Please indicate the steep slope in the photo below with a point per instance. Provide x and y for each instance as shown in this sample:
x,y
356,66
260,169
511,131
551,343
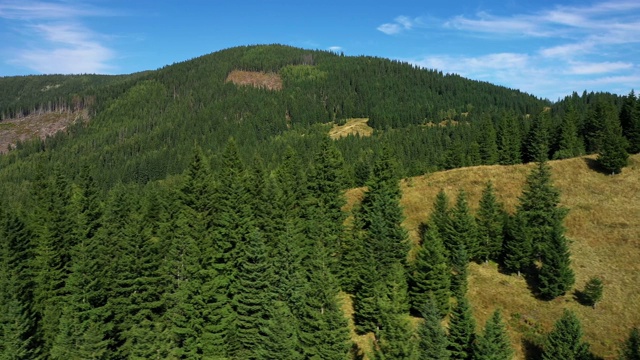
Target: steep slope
x,y
602,223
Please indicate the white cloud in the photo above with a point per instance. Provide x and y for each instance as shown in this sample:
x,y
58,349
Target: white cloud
x,y
580,68
54,39
400,24
335,48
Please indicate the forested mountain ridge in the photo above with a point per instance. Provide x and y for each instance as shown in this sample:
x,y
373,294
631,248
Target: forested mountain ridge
x,y
195,218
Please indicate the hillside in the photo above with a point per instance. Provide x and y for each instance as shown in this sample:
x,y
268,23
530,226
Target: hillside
x,y
602,223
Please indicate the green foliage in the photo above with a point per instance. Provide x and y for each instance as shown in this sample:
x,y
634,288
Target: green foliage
x,y
593,291
631,347
432,339
494,344
517,250
490,221
565,340
612,156
464,229
630,122
461,331
431,277
555,277
569,144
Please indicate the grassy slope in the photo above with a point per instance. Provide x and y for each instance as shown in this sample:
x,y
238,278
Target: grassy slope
x,y
603,222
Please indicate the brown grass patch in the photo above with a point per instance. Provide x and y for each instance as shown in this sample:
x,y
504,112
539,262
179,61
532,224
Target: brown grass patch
x,y
271,81
352,127
603,225
36,125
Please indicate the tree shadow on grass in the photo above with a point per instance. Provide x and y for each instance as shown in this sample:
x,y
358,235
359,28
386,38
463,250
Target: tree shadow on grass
x,y
532,351
595,166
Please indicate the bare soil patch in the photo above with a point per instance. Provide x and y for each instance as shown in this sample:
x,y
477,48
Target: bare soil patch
x,y
38,125
271,81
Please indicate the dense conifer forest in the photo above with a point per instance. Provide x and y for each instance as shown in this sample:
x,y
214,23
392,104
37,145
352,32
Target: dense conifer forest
x,y
193,218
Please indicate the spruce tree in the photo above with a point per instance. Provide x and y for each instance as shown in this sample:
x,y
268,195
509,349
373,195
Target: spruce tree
x,y
464,228
488,141
394,337
18,321
540,208
494,344
630,122
569,143
461,330
508,139
440,218
631,347
536,144
280,335
593,291
612,155
430,280
555,277
323,328
517,249
565,340
432,339
252,293
490,220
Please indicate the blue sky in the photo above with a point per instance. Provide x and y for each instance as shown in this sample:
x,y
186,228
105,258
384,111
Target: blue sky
x,y
546,48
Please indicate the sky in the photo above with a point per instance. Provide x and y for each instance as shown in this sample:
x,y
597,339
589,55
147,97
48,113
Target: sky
x,y
546,48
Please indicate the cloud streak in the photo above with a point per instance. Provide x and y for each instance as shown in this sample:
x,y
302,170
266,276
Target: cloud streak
x,y
53,37
400,24
553,51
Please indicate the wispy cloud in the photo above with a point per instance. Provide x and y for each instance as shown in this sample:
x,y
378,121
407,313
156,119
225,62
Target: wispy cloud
x,y
335,48
554,51
52,37
400,24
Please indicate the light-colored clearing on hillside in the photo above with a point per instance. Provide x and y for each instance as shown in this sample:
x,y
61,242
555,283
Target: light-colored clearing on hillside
x,y
351,127
603,224
35,125
271,81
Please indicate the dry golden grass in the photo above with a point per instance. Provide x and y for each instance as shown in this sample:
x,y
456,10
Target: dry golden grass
x,y
271,81
603,224
352,127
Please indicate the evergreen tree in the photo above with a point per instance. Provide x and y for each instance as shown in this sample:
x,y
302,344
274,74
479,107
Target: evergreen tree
x,y
596,123
440,218
631,347
536,145
430,280
488,145
494,344
280,336
539,207
508,139
54,221
461,331
612,155
84,328
394,337
555,277
565,340
323,326
569,144
252,293
432,339
593,291
459,270
630,122
464,228
517,251
490,220
18,321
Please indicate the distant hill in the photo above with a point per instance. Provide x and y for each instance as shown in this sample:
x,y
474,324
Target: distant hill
x,y
602,225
